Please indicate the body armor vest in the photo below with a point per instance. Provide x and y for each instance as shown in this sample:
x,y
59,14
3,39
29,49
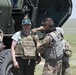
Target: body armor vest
x,y
27,47
55,51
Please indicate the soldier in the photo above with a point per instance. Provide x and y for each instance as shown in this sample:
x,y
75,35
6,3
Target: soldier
x,y
24,46
51,46
2,46
67,54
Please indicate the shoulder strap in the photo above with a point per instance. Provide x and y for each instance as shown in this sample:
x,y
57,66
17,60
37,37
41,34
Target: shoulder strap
x,y
22,34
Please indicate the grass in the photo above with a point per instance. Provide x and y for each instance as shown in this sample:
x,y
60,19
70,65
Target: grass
x,y
39,70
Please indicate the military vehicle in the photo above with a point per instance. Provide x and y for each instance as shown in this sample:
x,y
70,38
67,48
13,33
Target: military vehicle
x,y
12,13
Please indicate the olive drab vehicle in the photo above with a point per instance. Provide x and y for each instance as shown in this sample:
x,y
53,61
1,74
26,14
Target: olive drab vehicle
x,y
12,13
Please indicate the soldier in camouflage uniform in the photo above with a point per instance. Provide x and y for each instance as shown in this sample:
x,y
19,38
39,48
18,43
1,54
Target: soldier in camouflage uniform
x,y
51,46
1,39
67,54
24,47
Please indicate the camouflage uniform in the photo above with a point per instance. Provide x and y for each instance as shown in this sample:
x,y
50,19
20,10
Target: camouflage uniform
x,y
67,54
1,39
53,61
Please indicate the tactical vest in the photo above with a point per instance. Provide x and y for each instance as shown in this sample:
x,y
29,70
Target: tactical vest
x,y
55,51
27,47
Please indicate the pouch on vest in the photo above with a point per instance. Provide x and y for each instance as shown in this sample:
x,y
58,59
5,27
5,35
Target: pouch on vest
x,y
29,46
19,50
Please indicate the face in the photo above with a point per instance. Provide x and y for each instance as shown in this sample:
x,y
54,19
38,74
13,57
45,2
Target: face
x,y
26,28
46,27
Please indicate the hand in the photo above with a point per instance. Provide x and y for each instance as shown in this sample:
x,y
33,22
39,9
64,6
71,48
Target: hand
x,y
36,38
2,46
41,28
68,53
33,31
15,64
38,60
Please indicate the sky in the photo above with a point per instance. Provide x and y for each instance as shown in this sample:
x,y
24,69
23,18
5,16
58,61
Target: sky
x,y
73,15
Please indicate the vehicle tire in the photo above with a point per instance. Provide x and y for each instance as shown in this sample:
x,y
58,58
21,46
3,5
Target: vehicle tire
x,y
6,62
